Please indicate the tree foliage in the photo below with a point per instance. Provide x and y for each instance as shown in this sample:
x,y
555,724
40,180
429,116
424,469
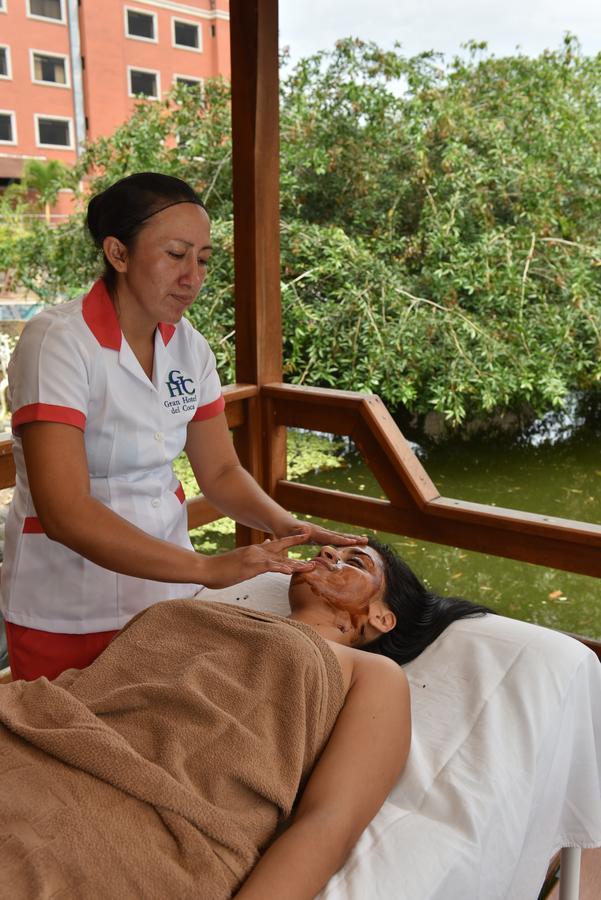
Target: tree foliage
x,y
39,185
477,185
439,223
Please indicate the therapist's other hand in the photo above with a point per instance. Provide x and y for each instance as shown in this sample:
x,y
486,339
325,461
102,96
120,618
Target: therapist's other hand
x,y
246,562
315,534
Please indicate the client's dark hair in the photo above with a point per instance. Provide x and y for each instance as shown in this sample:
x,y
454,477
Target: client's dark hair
x,y
421,615
123,208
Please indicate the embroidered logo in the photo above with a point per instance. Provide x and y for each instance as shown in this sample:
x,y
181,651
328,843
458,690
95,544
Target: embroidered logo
x,y
182,392
178,385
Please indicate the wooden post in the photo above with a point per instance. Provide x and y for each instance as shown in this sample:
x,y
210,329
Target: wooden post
x,y
255,135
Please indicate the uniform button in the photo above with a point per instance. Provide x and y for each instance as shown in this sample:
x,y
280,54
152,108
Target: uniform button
x,y
156,502
159,436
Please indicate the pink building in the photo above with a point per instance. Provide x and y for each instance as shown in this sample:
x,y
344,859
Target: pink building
x,y
69,70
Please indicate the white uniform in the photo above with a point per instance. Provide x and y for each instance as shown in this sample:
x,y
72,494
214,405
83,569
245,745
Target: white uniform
x,y
73,365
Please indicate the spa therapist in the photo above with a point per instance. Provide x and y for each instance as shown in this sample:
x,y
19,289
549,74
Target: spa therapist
x,y
105,393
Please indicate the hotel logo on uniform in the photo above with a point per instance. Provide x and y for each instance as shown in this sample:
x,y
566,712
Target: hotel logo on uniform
x,y
182,392
178,385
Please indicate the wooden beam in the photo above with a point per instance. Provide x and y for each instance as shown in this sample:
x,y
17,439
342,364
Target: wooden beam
x,y
201,512
401,459
375,456
546,544
233,392
295,414
535,524
366,420
275,450
236,398
340,506
8,473
415,507
235,413
255,163
312,397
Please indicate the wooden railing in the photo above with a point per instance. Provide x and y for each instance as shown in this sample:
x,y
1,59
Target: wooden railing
x,y
413,507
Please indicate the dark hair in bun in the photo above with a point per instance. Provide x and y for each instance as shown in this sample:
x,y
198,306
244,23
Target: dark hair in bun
x,y
421,615
123,208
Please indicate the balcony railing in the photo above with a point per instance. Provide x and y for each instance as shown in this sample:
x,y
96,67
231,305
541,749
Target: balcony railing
x,y
413,508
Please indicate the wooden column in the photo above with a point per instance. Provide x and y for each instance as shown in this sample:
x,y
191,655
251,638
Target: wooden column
x,y
255,134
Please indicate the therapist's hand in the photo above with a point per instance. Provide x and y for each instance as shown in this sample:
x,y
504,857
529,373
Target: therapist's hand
x,y
245,562
315,534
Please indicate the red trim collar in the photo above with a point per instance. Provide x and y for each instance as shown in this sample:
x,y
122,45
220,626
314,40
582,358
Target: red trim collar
x,y
101,318
166,332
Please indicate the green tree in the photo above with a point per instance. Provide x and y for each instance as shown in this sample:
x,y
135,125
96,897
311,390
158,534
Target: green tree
x,y
45,179
478,184
439,223
187,135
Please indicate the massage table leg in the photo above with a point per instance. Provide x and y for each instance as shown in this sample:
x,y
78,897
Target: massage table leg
x,y
569,873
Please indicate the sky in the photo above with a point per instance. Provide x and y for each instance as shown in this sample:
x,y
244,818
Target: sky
x,y
443,25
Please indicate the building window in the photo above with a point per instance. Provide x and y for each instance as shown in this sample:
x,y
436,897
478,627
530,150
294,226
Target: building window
x,y
140,25
53,131
8,132
189,80
186,35
46,9
2,5
145,82
5,71
49,69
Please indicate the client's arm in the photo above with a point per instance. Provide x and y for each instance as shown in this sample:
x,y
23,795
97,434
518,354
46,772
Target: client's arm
x,y
364,757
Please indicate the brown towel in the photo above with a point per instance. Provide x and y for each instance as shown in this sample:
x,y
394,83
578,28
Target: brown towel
x,y
165,767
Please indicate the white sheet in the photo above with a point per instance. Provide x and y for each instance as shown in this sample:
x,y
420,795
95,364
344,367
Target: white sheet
x,y
504,769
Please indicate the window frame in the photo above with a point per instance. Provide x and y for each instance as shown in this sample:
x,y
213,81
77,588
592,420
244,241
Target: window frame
x,y
137,37
197,79
9,65
155,72
38,18
13,126
59,84
52,117
197,25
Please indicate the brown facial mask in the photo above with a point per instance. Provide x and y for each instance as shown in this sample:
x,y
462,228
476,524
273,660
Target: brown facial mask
x,y
348,582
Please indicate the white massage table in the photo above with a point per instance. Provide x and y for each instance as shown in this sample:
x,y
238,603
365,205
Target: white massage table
x,y
504,769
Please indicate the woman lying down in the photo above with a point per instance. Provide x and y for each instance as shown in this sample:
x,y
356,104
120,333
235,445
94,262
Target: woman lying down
x,y
213,751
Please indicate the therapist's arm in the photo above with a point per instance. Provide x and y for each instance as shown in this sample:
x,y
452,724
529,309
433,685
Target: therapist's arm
x,y
226,484
229,487
59,481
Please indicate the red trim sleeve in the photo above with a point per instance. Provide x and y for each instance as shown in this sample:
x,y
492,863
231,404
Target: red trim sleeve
x,y
209,410
48,412
179,493
32,525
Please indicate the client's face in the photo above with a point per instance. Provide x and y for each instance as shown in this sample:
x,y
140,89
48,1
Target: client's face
x,y
349,580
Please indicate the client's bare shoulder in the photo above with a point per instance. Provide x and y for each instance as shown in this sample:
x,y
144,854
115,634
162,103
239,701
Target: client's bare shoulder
x,y
376,718
368,668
